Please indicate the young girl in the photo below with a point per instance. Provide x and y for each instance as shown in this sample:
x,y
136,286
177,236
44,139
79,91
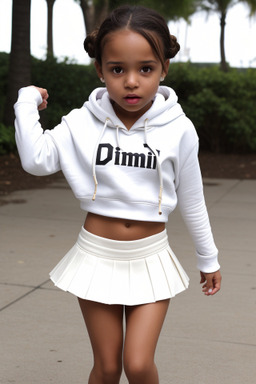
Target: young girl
x,y
129,155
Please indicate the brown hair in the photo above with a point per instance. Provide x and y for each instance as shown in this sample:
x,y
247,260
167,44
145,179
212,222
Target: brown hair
x,y
144,21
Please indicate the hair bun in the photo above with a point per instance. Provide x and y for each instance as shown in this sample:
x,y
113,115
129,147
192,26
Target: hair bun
x,y
175,47
90,43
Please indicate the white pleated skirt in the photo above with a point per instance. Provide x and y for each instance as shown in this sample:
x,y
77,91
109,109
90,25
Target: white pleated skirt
x,y
121,272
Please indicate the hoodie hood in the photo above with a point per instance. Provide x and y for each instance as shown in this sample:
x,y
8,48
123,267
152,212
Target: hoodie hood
x,y
165,108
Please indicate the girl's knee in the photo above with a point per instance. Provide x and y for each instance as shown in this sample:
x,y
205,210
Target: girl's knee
x,y
108,373
137,368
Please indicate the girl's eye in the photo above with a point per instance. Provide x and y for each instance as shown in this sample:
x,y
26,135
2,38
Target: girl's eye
x,y
117,70
146,69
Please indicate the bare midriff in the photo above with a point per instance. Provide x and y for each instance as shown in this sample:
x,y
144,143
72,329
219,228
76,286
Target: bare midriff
x,y
121,229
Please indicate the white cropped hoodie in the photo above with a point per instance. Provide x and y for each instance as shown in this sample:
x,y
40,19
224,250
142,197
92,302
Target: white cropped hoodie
x,y
138,174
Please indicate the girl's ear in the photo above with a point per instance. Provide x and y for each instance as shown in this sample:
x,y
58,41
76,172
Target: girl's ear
x,y
166,68
98,69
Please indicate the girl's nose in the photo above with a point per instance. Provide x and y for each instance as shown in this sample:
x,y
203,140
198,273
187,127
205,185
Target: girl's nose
x,y
131,80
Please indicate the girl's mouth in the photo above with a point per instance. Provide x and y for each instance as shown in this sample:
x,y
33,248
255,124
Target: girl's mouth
x,y
132,99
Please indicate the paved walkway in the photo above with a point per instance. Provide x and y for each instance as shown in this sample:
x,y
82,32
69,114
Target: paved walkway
x,y
205,340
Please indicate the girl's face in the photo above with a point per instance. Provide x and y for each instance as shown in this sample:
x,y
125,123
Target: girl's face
x,y
131,72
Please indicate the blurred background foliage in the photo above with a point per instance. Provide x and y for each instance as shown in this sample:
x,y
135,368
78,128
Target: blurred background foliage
x,y
220,104
218,99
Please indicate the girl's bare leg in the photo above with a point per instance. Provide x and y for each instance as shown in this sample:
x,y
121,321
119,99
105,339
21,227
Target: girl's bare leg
x,y
143,326
105,328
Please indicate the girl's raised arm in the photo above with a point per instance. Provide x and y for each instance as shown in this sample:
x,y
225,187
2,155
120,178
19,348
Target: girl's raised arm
x,y
38,153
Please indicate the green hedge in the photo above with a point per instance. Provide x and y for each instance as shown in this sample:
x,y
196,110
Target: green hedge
x,y
68,85
221,105
7,140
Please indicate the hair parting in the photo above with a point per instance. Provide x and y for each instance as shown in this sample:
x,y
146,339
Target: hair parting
x,y
142,20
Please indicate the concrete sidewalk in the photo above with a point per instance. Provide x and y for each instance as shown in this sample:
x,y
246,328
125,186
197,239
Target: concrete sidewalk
x,y
205,340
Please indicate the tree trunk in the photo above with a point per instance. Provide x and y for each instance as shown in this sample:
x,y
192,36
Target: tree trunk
x,y
102,11
50,4
19,65
94,14
223,63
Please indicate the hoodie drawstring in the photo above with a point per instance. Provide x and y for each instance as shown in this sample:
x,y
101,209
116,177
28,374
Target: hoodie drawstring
x,y
94,158
117,136
161,187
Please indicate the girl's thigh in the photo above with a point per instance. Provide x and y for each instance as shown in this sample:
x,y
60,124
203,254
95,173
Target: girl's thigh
x,y
105,328
143,327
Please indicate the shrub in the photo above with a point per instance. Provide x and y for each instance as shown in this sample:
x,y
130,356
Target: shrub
x,y
7,139
221,105
68,85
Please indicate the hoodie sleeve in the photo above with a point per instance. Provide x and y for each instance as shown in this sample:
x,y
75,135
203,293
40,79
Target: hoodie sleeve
x,y
38,153
193,209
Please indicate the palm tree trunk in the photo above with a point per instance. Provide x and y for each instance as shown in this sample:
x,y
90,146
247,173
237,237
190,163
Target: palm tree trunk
x,y
223,63
93,14
50,4
88,11
19,64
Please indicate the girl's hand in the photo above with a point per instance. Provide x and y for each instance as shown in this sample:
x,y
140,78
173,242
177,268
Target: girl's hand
x,y
44,95
212,282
